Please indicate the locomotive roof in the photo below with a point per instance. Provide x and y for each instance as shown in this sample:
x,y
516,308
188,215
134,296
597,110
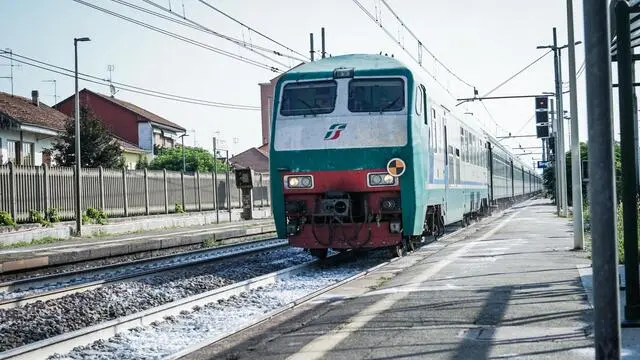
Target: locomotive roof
x,y
370,62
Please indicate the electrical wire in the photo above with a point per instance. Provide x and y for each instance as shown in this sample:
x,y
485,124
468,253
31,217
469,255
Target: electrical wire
x,y
250,28
176,18
421,44
182,38
516,74
375,20
125,87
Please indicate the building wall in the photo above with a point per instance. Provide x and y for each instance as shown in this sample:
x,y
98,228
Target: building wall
x,y
266,106
40,142
131,159
121,122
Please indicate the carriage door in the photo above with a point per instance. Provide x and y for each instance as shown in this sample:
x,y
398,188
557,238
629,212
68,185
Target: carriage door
x,y
447,162
490,170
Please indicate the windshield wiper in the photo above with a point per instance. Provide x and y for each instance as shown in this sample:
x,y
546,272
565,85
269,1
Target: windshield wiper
x,y
308,106
390,105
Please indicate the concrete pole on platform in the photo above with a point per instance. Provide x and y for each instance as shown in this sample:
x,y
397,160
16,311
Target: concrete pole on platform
x,y
602,185
576,163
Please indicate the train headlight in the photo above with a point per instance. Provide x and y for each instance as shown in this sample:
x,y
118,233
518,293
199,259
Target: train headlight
x,y
381,179
298,182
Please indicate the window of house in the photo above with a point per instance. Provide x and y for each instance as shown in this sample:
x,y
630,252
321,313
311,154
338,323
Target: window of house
x,y
12,150
27,154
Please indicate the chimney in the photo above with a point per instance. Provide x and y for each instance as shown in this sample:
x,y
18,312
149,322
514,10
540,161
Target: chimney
x,y
34,98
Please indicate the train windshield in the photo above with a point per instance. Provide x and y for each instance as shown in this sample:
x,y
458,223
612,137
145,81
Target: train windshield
x,y
376,95
308,98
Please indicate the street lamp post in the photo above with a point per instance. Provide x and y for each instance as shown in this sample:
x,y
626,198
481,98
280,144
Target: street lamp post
x,y
183,155
78,163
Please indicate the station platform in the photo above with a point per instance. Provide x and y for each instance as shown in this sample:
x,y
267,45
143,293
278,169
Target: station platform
x,y
92,248
508,287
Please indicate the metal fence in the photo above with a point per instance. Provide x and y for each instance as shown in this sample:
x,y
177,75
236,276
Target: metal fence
x,y
121,192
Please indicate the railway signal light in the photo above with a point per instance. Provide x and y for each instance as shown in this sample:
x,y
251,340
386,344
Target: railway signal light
x,y
542,116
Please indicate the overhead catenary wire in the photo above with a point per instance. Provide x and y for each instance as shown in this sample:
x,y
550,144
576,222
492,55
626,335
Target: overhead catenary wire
x,y
421,44
176,18
182,38
250,28
125,87
375,20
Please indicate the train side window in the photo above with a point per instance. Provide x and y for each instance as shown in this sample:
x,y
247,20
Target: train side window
x,y
419,103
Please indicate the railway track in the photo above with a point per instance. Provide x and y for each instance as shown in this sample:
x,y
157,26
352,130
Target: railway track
x,y
21,292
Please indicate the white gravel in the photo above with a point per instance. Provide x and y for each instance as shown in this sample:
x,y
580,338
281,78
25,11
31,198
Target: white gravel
x,y
215,319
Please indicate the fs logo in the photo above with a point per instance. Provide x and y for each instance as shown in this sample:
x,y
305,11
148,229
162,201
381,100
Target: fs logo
x,y
334,131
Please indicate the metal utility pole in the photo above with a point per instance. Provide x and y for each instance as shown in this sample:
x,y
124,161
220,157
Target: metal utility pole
x,y
556,166
628,150
323,49
78,158
184,162
576,161
561,156
215,180
311,51
11,65
602,187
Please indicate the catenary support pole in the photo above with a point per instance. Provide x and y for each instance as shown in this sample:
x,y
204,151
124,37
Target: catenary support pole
x,y
560,156
602,186
628,153
576,171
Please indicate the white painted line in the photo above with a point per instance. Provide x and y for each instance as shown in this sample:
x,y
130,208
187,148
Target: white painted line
x,y
321,345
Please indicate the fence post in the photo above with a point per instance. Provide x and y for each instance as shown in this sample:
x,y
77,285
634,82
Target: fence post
x,y
101,185
46,192
228,192
198,190
261,192
166,192
146,192
124,191
13,200
184,205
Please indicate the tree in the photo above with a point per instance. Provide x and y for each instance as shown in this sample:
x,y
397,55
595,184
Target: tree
x,y
97,145
196,159
549,173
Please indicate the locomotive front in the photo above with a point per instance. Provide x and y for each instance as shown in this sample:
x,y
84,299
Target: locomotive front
x,y
340,148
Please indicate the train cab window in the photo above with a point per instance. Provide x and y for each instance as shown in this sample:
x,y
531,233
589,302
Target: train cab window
x,y
376,95
419,103
308,98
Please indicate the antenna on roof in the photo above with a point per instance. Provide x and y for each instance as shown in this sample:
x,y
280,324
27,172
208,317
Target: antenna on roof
x,y
112,89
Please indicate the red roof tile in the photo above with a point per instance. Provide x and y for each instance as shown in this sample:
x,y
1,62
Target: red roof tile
x,y
24,111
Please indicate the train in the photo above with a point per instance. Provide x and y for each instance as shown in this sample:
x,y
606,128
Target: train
x,y
366,152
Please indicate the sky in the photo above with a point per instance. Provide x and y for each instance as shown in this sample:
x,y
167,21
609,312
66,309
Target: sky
x,y
482,42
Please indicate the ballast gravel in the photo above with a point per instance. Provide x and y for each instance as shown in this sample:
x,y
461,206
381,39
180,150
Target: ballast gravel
x,y
176,333
42,320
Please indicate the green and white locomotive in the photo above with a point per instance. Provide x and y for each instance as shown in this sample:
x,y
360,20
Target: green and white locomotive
x,y
366,153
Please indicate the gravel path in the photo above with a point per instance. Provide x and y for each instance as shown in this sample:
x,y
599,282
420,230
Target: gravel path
x,y
42,320
178,332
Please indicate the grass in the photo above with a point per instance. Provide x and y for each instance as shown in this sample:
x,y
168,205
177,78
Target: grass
x,y
40,241
619,232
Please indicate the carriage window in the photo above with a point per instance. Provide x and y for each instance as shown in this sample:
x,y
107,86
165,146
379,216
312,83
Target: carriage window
x,y
308,98
419,105
376,95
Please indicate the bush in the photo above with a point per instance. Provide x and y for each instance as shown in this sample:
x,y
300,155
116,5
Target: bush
x,y
6,219
53,215
94,216
36,216
620,232
179,208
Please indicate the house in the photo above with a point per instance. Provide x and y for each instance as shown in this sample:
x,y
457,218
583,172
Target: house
x,y
256,158
266,104
27,129
131,153
127,121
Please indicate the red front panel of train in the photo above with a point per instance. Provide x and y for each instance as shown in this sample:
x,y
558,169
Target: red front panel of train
x,y
342,209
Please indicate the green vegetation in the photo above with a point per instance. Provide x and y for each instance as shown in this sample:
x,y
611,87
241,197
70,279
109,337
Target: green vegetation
x,y
179,209
6,219
196,159
98,147
94,216
40,241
